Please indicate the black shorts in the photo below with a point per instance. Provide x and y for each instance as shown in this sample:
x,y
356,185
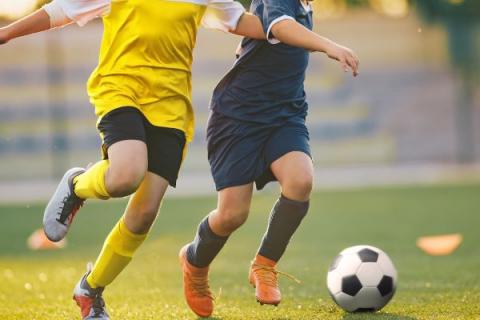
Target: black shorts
x,y
165,146
242,152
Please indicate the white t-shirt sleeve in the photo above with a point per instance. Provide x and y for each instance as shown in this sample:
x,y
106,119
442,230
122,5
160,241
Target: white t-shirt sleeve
x,y
62,12
270,37
223,15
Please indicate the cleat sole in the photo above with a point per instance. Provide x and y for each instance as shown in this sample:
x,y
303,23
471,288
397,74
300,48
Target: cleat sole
x,y
265,303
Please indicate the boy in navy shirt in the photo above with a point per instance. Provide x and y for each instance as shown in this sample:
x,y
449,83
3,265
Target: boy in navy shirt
x,y
257,134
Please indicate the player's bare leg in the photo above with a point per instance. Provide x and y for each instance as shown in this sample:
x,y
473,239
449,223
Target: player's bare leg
x,y
127,167
294,171
118,176
232,211
118,250
144,205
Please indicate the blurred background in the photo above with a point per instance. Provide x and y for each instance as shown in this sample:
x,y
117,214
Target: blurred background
x,y
412,116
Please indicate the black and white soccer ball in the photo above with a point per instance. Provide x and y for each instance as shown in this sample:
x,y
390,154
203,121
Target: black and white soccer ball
x,y
362,278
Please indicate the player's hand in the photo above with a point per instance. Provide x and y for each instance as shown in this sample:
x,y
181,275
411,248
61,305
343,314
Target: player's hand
x,y
347,58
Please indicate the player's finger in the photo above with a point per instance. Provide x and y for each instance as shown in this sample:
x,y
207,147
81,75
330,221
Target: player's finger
x,y
350,65
353,65
357,63
357,60
356,57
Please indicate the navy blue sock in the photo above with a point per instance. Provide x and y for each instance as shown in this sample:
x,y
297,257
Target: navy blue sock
x,y
285,218
205,246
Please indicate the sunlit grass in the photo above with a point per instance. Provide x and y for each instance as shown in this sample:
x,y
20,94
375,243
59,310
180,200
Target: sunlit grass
x,y
38,285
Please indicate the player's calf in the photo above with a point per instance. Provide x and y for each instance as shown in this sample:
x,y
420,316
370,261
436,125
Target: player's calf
x,y
284,221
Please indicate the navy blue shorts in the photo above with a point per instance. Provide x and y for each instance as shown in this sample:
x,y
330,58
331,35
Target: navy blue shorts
x,y
242,152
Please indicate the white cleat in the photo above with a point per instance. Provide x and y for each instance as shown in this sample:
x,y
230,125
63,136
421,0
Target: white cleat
x,y
62,207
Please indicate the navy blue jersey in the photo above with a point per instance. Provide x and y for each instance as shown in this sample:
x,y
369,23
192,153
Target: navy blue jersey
x,y
265,84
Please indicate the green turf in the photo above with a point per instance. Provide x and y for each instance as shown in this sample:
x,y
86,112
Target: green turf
x,y
38,285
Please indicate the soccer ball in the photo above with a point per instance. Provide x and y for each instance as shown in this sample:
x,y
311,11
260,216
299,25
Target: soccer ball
x,y
362,278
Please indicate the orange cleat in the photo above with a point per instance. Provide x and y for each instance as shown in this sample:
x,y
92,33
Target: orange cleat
x,y
263,277
195,286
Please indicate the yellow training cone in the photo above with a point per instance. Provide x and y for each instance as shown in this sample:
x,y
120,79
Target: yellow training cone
x,y
441,245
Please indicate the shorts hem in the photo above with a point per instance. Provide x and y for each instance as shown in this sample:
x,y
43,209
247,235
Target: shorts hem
x,y
284,152
267,176
171,182
226,185
107,145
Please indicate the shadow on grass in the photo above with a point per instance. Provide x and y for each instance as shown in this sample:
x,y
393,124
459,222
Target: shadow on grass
x,y
376,316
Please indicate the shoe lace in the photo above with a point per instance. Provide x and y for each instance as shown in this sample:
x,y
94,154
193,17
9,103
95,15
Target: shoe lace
x,y
71,205
98,305
269,275
199,284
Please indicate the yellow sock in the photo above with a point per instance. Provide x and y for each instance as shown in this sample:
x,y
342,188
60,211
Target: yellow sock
x,y
91,184
117,252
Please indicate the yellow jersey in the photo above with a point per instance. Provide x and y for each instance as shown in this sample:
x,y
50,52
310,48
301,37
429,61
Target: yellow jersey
x,y
146,53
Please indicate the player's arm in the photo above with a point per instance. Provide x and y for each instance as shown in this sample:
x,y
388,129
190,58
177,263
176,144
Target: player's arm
x,y
230,16
33,23
57,13
249,26
290,32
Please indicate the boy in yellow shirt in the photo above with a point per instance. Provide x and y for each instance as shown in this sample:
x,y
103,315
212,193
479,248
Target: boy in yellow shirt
x,y
141,90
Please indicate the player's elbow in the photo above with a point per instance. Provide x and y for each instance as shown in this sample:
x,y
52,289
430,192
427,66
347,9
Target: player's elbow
x,y
280,29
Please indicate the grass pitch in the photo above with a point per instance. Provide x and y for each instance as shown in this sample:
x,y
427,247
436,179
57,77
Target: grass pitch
x,y
38,285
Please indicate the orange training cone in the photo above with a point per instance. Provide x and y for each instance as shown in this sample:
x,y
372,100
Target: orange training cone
x,y
441,245
39,241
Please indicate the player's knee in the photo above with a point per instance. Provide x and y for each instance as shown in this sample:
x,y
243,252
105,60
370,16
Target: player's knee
x,y
123,188
299,187
233,218
124,183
